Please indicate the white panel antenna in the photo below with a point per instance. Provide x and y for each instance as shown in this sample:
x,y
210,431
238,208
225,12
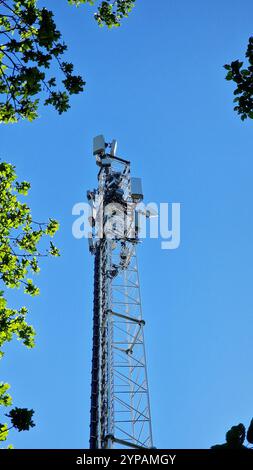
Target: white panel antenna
x,y
114,146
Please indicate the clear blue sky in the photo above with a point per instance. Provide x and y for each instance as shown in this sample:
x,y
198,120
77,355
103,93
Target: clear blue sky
x,y
157,85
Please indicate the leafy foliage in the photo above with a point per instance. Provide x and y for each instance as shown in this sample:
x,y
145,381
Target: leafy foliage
x,y
30,42
20,237
21,418
109,13
4,431
13,322
29,45
5,398
243,77
235,437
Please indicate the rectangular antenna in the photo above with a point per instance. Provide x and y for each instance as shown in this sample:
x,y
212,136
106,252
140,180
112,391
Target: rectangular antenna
x,y
98,145
136,189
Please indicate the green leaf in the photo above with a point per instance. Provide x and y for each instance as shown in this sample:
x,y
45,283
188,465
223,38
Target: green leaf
x,y
3,432
5,398
229,75
31,289
52,227
53,250
23,187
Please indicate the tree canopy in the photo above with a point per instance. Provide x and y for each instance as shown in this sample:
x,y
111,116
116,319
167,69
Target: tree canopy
x,y
30,48
30,42
21,247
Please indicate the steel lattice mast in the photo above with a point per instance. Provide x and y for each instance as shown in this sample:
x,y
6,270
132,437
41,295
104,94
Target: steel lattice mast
x,y
120,409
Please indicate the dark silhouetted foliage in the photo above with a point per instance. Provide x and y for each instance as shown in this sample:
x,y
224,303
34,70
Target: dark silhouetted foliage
x,y
243,77
235,437
250,433
21,418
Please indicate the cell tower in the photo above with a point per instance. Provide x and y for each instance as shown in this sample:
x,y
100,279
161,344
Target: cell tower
x,y
120,408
